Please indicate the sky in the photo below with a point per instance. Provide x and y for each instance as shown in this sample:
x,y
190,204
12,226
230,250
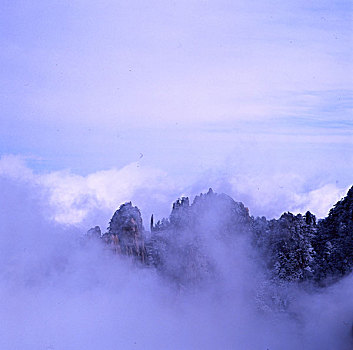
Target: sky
x,y
110,101
104,102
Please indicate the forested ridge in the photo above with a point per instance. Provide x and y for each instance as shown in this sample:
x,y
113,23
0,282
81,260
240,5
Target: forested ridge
x,y
186,246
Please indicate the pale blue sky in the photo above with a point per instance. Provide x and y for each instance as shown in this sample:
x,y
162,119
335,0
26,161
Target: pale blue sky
x,y
228,88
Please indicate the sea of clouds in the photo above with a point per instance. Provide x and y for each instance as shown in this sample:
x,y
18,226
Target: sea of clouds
x,y
61,291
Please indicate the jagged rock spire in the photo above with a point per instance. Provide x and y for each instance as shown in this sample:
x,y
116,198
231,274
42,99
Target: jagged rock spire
x,y
126,231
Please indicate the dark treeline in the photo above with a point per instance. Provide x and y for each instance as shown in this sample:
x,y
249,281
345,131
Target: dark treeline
x,y
187,246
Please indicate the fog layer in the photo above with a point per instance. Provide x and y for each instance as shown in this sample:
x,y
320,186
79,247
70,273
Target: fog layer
x,y
60,291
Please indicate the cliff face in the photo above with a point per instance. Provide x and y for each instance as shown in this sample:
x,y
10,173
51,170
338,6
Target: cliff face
x,y
126,233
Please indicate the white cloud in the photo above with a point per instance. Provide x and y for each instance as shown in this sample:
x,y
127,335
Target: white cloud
x,y
73,197
273,194
15,167
320,200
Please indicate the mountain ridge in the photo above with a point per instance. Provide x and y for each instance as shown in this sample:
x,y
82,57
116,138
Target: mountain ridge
x,y
292,248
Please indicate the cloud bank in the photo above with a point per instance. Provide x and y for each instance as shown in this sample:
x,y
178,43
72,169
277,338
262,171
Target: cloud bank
x,y
78,199
62,292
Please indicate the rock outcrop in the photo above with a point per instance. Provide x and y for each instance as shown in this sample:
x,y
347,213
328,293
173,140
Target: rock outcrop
x,y
126,233
94,232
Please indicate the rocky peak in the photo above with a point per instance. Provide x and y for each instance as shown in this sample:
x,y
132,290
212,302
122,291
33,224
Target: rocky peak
x,y
181,203
126,232
310,218
94,232
221,212
179,217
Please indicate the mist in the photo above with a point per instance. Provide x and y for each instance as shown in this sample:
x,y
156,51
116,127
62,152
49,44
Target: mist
x,y
60,290
107,102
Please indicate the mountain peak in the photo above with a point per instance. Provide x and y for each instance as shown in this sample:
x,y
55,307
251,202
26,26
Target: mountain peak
x,y
126,232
